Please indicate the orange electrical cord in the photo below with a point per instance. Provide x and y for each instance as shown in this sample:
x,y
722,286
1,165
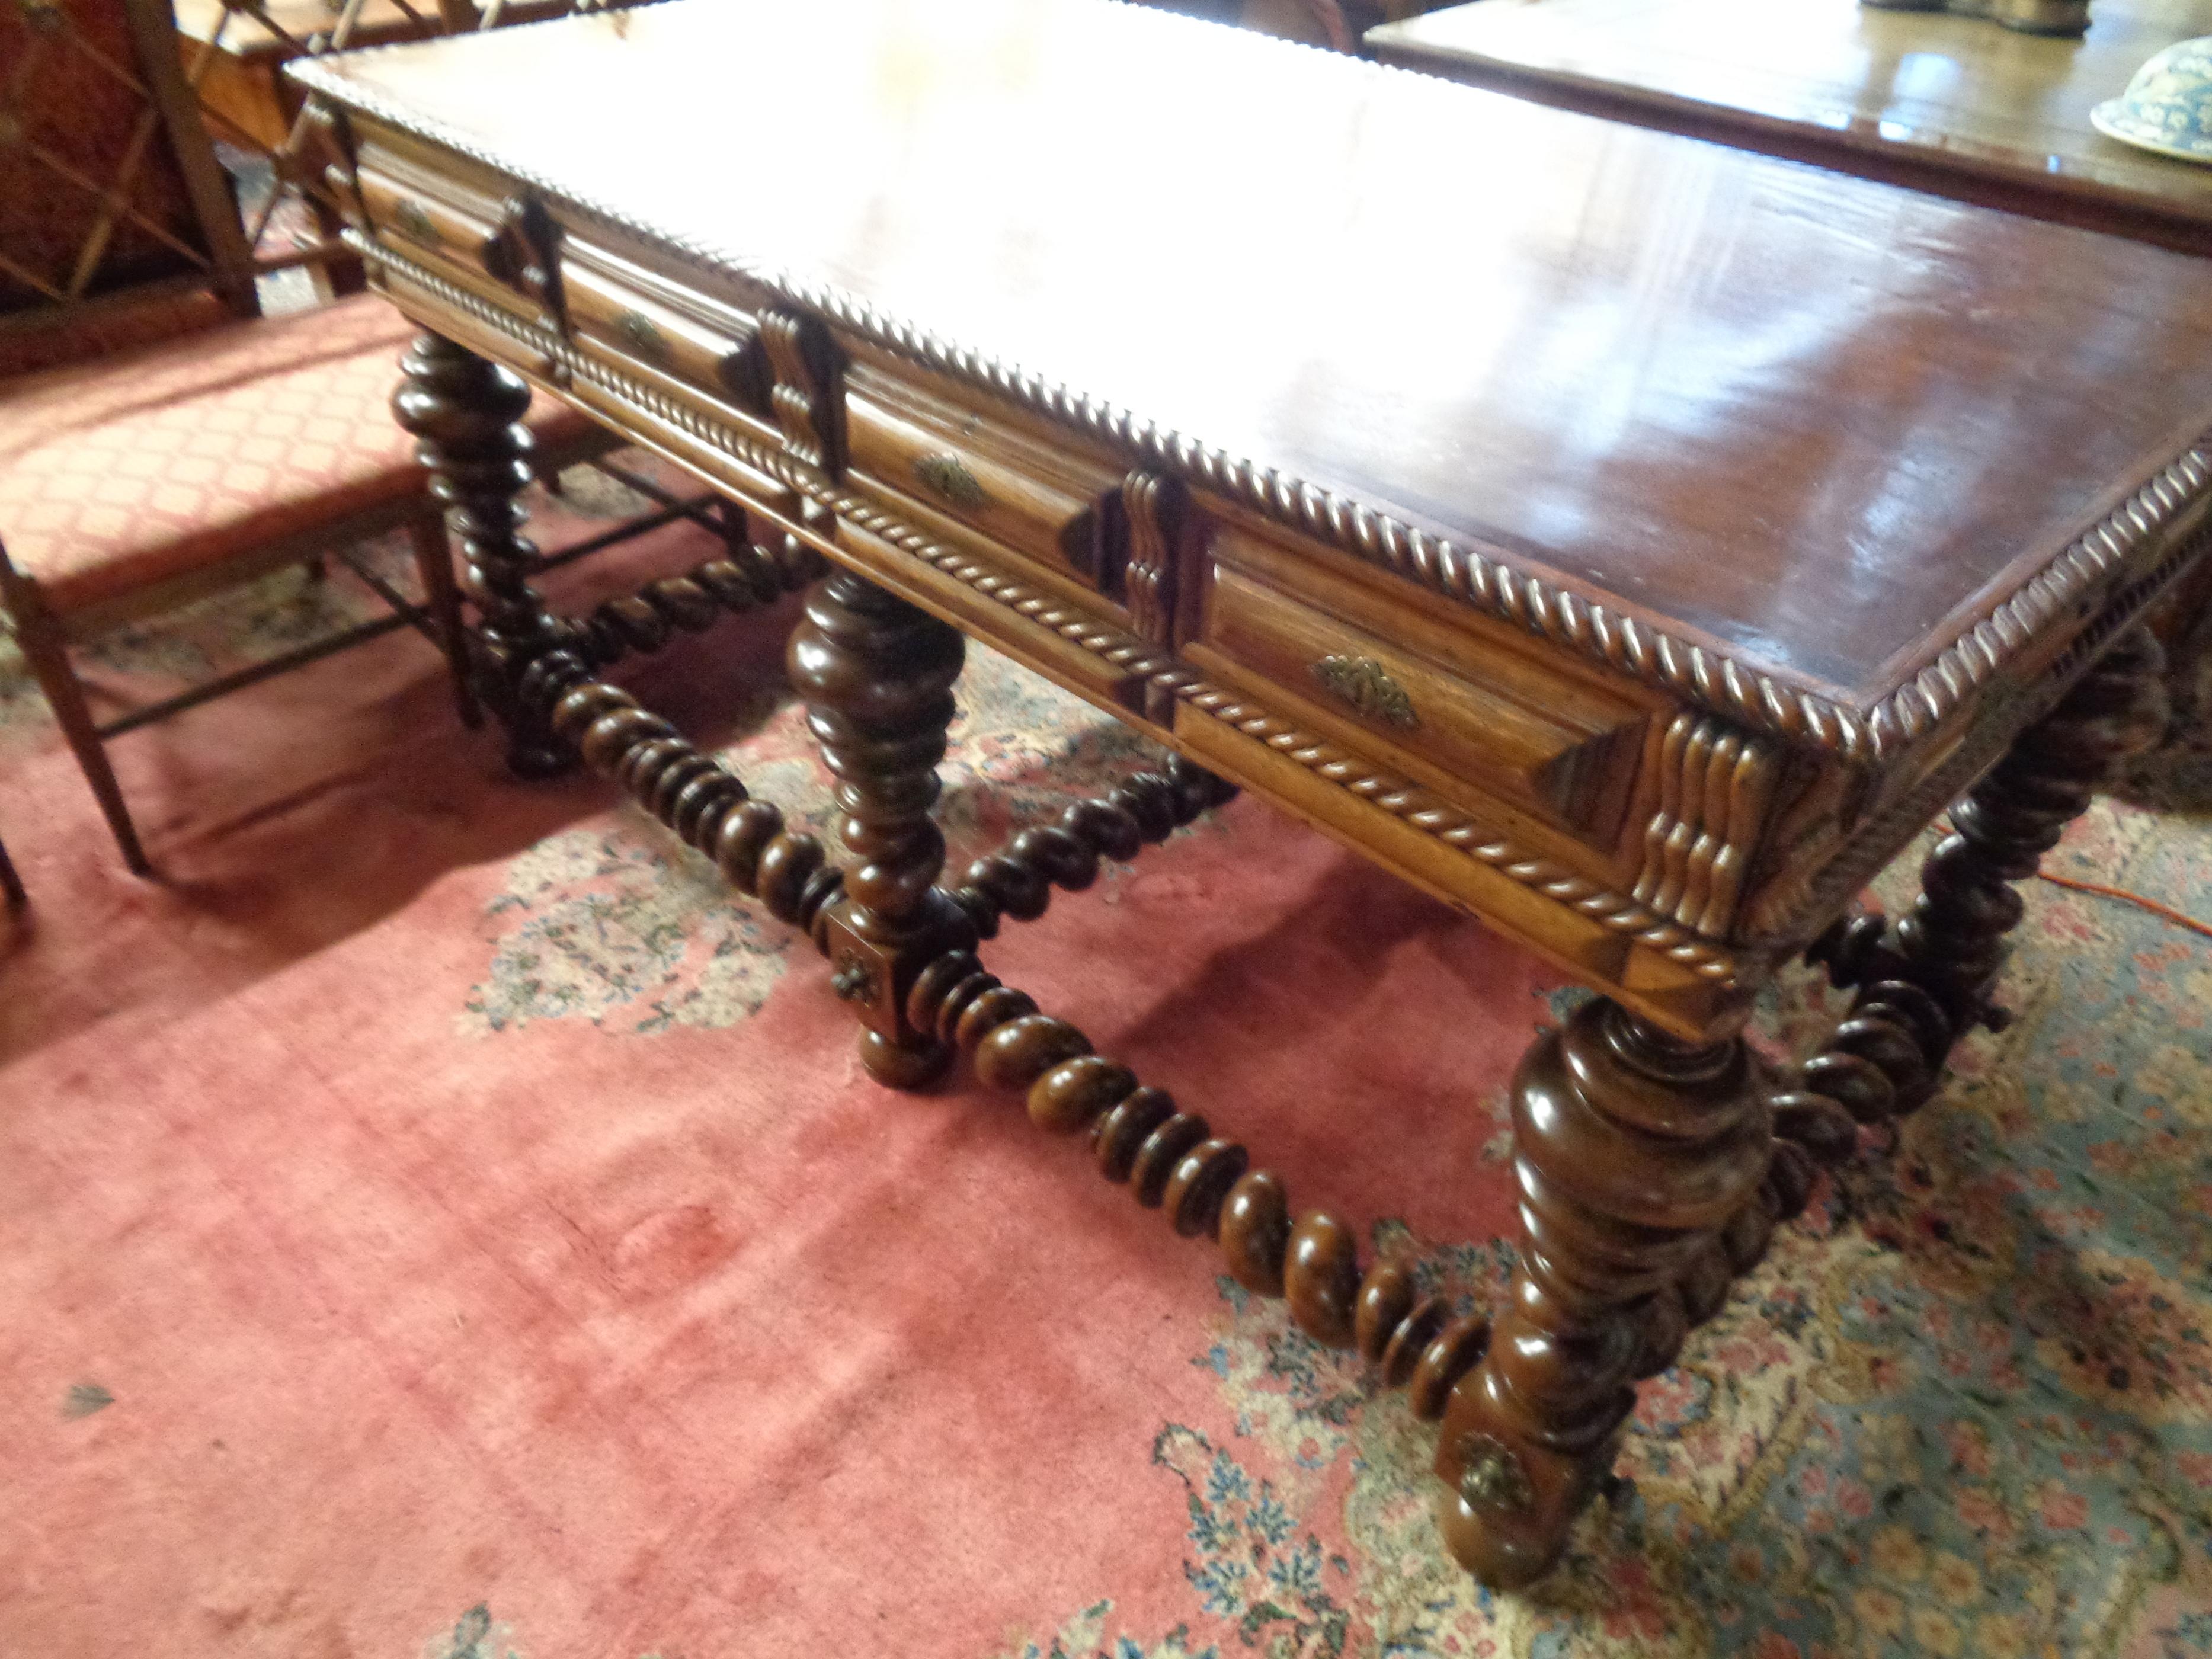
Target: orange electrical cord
x,y
2177,918
2166,911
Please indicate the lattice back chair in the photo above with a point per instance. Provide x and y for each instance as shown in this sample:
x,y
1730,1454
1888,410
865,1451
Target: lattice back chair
x,y
113,233
165,438
235,52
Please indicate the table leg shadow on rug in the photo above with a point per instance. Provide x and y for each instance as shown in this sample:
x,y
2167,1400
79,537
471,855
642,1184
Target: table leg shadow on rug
x,y
437,1224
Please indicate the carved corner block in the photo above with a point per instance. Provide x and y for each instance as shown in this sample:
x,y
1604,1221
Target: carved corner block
x,y
1153,508
808,391
875,979
523,252
1716,784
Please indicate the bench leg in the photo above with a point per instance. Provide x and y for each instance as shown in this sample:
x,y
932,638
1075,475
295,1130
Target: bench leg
x,y
442,598
466,416
48,651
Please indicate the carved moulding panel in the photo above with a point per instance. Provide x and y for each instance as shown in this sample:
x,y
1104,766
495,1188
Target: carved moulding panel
x,y
807,393
1640,925
1153,508
1716,784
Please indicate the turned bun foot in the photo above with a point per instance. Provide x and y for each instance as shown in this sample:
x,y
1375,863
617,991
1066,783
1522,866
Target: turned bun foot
x,y
1514,1527
897,1067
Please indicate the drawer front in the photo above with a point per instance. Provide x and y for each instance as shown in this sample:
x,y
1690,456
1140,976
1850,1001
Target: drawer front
x,y
402,211
1047,506
447,227
1413,695
634,318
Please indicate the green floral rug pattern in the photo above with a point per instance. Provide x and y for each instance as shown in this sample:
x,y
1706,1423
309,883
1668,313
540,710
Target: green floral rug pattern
x,y
1964,1408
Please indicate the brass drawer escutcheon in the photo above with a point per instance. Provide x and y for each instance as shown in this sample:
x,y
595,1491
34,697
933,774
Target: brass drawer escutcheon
x,y
450,228
413,219
996,483
948,475
1367,686
641,332
1462,712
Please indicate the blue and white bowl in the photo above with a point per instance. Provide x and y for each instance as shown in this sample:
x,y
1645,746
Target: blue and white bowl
x,y
2167,106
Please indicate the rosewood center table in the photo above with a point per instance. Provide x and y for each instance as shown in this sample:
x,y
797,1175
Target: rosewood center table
x,y
1679,533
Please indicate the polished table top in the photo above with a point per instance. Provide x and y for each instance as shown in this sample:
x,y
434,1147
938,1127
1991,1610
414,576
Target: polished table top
x,y
1822,423
1897,93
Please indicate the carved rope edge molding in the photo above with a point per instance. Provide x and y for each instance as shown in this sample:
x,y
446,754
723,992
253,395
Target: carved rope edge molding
x,y
1395,795
1483,579
1352,772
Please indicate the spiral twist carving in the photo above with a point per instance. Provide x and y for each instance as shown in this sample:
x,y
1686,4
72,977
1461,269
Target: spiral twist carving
x,y
1953,939
1952,942
741,581
1018,880
1922,984
466,416
1171,1160
693,794
1884,1061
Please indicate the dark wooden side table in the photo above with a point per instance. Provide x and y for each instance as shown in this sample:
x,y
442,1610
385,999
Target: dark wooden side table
x,y
1955,106
1684,534
1951,105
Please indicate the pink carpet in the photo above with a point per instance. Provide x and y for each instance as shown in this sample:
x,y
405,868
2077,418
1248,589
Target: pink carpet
x,y
433,1222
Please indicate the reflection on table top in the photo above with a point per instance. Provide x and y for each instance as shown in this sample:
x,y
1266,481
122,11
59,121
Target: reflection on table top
x,y
1904,94
1815,419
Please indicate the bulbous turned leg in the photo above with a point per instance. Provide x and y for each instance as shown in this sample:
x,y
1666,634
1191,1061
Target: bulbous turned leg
x,y
1632,1151
878,675
466,416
